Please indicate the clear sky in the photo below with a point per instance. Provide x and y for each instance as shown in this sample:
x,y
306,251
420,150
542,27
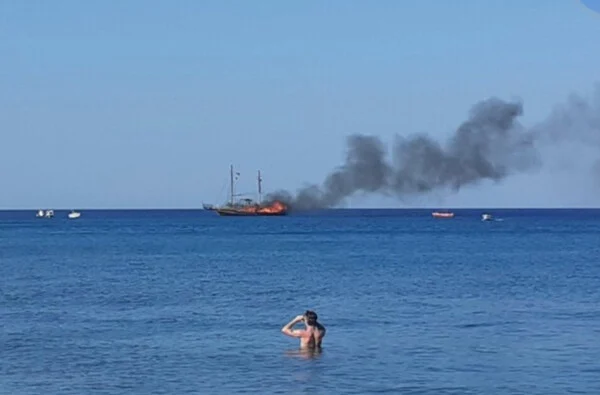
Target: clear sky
x,y
122,104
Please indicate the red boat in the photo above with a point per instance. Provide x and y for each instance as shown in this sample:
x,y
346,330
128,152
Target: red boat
x,y
437,214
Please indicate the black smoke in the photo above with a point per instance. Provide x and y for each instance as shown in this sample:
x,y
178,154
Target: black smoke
x,y
490,145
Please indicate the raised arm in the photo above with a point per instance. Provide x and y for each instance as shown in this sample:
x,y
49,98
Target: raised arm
x,y
287,329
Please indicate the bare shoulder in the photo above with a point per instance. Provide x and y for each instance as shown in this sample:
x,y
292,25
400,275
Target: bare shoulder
x,y
321,329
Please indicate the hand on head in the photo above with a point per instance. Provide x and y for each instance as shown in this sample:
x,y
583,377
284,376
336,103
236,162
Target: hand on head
x,y
310,317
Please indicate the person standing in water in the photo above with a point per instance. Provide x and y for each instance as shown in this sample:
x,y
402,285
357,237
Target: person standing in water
x,y
311,336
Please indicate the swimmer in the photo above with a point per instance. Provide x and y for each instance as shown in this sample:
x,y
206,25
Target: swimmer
x,y
311,336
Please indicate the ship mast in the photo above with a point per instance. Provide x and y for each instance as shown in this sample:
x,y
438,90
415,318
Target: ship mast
x,y
231,182
259,188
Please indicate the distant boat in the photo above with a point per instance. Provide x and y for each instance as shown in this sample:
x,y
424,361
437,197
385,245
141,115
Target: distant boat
x,y
247,207
74,214
437,214
45,214
487,217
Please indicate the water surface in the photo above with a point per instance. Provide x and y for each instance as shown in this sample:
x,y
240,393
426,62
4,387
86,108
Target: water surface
x,y
185,302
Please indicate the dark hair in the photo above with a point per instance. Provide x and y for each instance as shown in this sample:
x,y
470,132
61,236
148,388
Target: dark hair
x,y
311,317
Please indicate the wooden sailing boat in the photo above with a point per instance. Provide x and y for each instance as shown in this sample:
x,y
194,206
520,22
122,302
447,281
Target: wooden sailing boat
x,y
248,207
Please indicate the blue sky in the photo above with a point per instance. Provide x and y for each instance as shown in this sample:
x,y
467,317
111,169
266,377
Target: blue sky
x,y
146,103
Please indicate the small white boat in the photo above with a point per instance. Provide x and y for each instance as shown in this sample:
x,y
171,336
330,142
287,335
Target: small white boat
x,y
74,215
487,217
44,214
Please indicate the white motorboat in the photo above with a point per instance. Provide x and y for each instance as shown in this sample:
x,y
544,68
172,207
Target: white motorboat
x,y
74,214
487,217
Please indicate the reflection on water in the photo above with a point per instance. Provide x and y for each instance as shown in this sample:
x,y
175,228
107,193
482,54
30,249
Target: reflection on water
x,y
308,375
305,353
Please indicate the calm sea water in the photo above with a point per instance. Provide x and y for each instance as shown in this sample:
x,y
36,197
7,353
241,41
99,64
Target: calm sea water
x,y
185,302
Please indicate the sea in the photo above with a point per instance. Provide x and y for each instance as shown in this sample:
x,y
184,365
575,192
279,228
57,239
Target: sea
x,y
187,302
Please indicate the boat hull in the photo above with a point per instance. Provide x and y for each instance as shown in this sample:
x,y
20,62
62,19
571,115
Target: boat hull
x,y
241,213
442,215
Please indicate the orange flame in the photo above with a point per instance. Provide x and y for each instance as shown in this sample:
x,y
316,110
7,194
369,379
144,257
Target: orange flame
x,y
274,208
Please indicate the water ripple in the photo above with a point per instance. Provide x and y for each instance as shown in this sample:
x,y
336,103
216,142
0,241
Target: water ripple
x,y
180,305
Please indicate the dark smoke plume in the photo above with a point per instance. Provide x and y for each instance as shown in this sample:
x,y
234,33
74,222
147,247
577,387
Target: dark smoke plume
x,y
489,145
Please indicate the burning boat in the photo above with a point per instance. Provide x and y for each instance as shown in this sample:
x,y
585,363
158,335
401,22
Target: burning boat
x,y
250,208
246,206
